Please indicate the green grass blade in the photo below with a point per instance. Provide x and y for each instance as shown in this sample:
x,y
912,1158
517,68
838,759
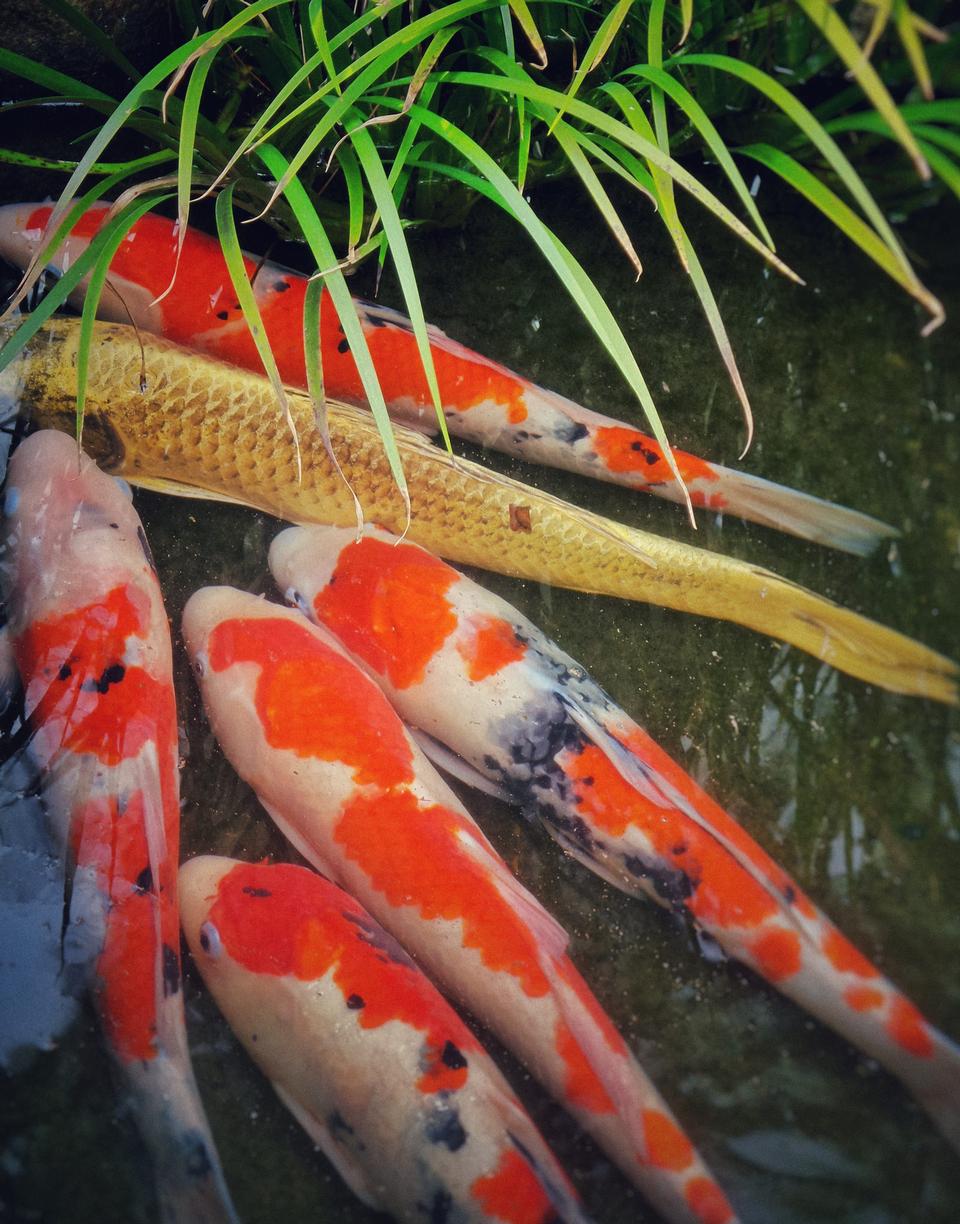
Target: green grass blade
x,y
356,200
705,126
336,285
571,274
944,169
910,39
599,46
525,21
114,232
686,14
397,245
49,78
324,54
236,266
126,169
835,31
843,217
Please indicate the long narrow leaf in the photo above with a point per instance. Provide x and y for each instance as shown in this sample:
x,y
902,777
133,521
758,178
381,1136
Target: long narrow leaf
x,y
236,266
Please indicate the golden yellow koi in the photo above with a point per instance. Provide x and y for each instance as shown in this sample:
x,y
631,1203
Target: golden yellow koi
x,y
173,420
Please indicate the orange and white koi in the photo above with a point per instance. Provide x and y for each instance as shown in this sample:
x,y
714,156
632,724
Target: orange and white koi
x,y
468,669
482,400
91,642
372,1061
335,768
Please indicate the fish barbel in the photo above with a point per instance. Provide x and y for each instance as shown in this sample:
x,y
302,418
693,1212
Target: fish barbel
x,y
173,420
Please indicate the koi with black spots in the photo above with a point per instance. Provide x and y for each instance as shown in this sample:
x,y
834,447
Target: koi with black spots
x,y
371,1060
333,765
91,642
464,666
193,303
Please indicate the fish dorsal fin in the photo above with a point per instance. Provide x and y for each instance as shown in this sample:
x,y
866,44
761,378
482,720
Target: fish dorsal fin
x,y
450,762
660,791
342,1160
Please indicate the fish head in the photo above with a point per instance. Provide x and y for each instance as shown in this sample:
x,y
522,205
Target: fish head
x,y
68,528
199,883
304,559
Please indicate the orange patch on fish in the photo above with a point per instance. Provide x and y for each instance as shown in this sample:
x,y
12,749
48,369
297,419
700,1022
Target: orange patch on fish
x,y
387,603
566,971
844,956
623,449
487,645
112,842
908,1028
707,1201
724,892
583,1087
667,1145
418,854
283,919
778,954
863,998
314,702
78,684
513,1192
465,380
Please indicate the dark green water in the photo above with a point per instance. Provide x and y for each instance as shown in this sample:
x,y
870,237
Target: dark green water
x,y
855,791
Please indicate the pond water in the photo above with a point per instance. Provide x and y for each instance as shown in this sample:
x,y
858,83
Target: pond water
x,y
854,790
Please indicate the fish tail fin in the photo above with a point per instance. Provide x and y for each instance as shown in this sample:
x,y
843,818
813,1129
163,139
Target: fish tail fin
x,y
188,1177
570,436
616,1101
799,514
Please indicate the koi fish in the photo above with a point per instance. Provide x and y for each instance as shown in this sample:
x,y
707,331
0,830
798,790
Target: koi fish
x,y
92,646
178,422
333,765
468,669
323,999
482,400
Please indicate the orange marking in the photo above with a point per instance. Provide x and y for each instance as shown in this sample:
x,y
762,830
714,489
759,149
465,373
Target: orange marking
x,y
863,998
623,449
908,1028
707,1201
283,920
513,1193
313,701
583,1088
567,972
387,603
845,958
488,645
667,1146
777,954
414,854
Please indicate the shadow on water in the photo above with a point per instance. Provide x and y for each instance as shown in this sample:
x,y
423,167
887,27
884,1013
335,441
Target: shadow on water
x,y
855,791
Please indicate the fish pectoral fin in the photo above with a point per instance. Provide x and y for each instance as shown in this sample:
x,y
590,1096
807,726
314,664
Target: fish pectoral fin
x,y
300,843
451,763
177,488
599,864
340,1157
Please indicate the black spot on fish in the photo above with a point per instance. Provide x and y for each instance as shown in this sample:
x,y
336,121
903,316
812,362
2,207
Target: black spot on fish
x,y
589,780
492,763
171,971
790,894
438,1212
223,315
110,675
338,1126
679,848
343,346
444,1127
651,456
144,881
257,892
281,286
356,1003
672,887
452,1058
65,672
571,433
115,526
196,1156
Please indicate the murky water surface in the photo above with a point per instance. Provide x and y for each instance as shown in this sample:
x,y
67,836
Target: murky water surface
x,y
855,791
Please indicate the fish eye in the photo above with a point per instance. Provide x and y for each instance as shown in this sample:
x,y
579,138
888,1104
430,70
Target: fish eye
x,y
210,940
296,600
200,664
